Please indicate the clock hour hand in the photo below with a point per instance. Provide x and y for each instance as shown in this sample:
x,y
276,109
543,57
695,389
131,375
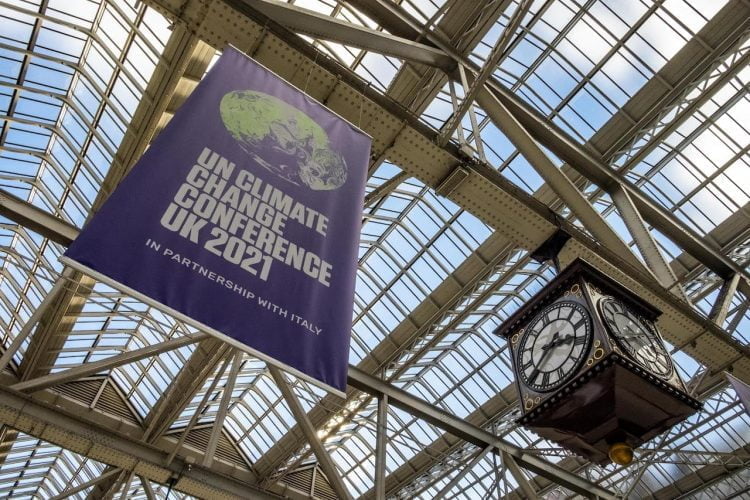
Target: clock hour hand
x,y
551,343
547,350
556,341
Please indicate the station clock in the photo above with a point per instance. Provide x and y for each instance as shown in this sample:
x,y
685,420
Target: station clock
x,y
592,371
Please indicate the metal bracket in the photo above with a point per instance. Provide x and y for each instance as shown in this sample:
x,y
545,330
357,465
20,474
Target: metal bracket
x,y
452,180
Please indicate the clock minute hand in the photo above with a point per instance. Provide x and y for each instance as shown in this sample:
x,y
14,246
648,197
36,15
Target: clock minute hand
x,y
545,354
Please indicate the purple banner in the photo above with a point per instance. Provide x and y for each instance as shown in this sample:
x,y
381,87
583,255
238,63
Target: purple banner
x,y
244,215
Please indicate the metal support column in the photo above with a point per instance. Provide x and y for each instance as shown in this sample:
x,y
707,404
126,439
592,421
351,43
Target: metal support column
x,y
718,315
28,327
523,483
126,485
558,181
458,477
226,397
472,117
380,447
147,489
470,90
198,410
720,308
91,368
645,242
36,219
88,484
326,463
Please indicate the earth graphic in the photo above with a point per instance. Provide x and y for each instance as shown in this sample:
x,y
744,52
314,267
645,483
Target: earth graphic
x,y
283,139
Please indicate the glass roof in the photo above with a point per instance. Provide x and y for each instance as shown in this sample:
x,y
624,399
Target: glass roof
x,y
72,75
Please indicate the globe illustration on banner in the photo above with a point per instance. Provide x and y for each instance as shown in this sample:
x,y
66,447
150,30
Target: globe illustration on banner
x,y
283,139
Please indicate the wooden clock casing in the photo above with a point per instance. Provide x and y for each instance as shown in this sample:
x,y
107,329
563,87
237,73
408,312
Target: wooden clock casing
x,y
619,385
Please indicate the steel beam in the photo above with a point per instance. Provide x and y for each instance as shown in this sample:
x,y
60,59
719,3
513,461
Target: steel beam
x,y
381,439
385,189
488,68
78,434
721,306
408,336
36,219
147,489
523,483
391,19
478,457
326,463
28,327
325,27
701,478
93,482
569,150
645,242
556,179
126,482
93,367
199,409
101,490
199,366
468,432
221,414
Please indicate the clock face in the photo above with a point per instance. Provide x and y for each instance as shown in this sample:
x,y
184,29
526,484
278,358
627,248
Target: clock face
x,y
554,345
636,337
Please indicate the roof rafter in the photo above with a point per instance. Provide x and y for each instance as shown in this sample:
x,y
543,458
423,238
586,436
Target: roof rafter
x,y
60,318
733,20
83,435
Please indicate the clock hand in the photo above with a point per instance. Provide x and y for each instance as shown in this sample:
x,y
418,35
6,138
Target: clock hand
x,y
558,341
547,350
535,373
551,343
567,339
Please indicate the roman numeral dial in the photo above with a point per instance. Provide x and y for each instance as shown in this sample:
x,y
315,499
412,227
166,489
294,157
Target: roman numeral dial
x,y
636,336
553,345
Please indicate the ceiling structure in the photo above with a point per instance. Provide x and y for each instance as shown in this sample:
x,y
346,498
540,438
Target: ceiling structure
x,y
495,125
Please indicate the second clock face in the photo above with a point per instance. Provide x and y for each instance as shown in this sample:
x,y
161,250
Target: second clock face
x,y
553,345
635,337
